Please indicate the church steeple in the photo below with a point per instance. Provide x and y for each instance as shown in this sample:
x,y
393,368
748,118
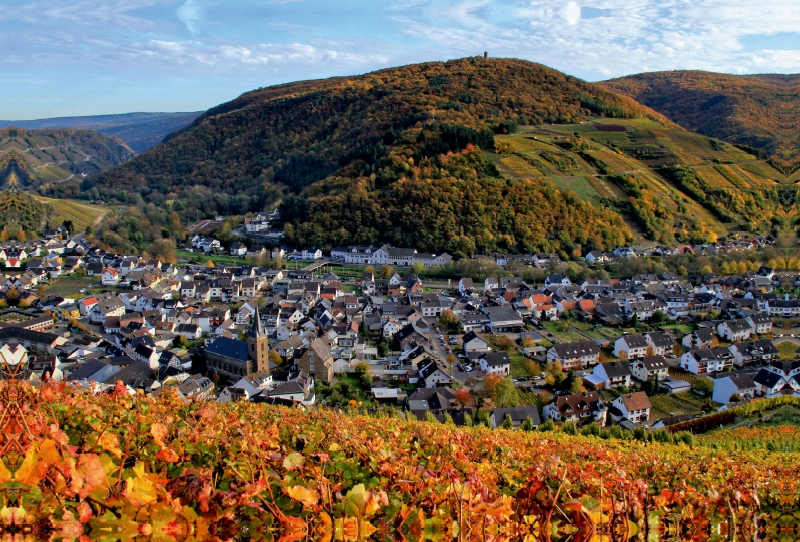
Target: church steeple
x,y
257,345
257,330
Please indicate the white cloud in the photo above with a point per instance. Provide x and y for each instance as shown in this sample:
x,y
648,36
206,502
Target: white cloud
x,y
231,57
191,13
635,36
572,13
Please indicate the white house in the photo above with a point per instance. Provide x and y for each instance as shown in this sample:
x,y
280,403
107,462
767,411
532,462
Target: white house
x,y
735,330
649,367
703,361
433,373
238,249
110,277
465,285
760,323
762,351
614,374
725,387
576,407
557,280
473,343
311,254
631,347
634,407
574,355
700,338
779,376
661,343
104,309
495,363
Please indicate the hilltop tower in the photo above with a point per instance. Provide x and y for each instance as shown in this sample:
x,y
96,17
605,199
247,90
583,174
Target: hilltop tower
x,y
257,345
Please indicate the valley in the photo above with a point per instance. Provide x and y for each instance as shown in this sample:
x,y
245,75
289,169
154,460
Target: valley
x,y
38,157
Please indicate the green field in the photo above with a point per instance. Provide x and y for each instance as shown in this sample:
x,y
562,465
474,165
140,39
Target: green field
x,y
81,214
70,286
201,258
686,402
786,349
563,336
580,185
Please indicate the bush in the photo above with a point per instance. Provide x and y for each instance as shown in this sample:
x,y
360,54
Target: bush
x,y
548,425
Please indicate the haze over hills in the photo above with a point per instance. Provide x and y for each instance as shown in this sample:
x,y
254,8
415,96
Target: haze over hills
x,y
140,131
758,111
32,158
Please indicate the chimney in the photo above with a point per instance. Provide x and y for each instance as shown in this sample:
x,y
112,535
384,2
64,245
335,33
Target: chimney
x,y
486,54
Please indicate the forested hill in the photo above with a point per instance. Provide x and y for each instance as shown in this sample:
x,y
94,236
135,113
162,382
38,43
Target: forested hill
x,y
380,142
38,157
758,111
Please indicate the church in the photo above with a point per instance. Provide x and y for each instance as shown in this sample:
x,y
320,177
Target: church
x,y
232,359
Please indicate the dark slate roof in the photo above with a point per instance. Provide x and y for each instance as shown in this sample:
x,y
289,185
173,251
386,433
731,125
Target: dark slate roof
x,y
13,332
615,369
517,414
136,375
437,398
652,363
767,378
228,348
495,359
636,341
576,349
743,381
661,339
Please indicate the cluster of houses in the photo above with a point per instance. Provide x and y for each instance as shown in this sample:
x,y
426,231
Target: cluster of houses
x,y
710,249
136,328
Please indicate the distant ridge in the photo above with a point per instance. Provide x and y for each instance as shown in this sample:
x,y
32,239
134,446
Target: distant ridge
x,y
140,131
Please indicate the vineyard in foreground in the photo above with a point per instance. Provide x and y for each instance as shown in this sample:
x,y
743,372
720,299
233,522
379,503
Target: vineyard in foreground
x,y
117,467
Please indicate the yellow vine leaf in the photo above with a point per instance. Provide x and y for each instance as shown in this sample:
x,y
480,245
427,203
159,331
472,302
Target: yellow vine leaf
x,y
110,443
305,495
139,489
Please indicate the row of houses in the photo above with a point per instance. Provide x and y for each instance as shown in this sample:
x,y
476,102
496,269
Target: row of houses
x,y
388,255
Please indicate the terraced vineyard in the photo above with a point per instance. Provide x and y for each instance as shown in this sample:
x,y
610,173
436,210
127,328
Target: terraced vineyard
x,y
81,214
621,163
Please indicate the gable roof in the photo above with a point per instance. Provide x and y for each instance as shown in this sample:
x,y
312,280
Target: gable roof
x,y
652,363
497,359
636,401
635,341
615,369
576,349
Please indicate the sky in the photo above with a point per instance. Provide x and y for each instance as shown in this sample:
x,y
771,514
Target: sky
x,y
87,57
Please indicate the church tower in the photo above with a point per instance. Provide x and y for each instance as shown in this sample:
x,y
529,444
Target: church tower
x,y
257,345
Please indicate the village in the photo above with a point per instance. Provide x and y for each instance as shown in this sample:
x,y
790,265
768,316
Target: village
x,y
646,352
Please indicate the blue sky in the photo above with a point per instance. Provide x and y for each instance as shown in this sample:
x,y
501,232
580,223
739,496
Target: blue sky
x,y
81,57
